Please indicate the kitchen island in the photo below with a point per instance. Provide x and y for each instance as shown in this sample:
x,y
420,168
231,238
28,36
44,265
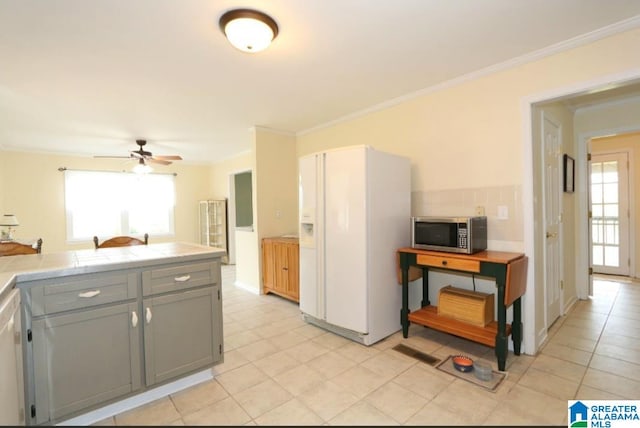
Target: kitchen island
x,y
102,325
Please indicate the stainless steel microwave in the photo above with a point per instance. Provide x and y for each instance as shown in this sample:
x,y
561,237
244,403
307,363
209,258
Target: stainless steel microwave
x,y
466,235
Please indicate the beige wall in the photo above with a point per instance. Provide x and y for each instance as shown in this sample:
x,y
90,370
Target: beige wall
x,y
274,164
470,135
276,180
630,143
35,193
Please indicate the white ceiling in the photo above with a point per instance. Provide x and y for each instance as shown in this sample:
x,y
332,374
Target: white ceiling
x,y
89,77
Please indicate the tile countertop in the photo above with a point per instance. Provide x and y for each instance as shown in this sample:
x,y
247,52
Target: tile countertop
x,y
30,267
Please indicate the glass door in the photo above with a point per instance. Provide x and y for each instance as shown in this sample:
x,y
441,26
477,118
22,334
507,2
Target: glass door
x,y
610,213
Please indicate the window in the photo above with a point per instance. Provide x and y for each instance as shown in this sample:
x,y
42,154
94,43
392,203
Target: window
x,y
107,204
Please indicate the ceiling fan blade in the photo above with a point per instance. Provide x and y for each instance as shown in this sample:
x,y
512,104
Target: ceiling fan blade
x,y
158,161
167,157
113,157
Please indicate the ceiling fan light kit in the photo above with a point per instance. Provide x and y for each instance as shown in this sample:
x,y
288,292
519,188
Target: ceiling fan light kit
x,y
145,157
142,168
248,30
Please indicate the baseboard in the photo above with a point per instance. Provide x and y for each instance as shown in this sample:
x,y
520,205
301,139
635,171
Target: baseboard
x,y
145,397
246,287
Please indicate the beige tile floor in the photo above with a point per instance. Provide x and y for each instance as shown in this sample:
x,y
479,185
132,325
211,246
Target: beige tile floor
x,y
278,370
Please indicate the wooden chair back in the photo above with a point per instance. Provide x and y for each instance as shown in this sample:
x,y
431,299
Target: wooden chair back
x,y
15,248
121,241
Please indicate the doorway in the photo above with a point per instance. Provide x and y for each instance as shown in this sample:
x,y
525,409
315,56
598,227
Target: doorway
x,y
610,215
576,233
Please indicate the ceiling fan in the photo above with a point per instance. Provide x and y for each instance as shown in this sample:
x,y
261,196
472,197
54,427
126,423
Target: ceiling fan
x,y
143,156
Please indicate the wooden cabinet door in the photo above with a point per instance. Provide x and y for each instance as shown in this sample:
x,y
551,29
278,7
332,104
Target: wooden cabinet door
x,y
268,265
293,288
182,333
85,358
282,267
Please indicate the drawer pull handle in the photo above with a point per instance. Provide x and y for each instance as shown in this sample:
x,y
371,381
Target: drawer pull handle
x,y
148,315
88,294
183,278
134,319
444,263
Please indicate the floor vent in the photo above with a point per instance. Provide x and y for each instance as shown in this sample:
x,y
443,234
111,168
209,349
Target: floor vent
x,y
418,355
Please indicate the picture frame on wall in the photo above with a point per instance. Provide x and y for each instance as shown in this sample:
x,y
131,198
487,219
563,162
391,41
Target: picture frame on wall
x,y
569,174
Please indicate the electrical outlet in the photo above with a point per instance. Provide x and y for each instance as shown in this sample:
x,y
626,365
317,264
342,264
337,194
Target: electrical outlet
x,y
503,212
480,210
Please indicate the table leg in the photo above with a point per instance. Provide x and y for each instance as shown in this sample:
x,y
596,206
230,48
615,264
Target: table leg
x,y
516,326
404,311
501,335
425,287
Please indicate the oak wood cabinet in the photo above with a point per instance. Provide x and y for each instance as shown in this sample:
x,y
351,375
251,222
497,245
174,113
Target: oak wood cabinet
x,y
280,267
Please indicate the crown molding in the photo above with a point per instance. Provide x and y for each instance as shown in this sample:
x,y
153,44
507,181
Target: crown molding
x,y
574,42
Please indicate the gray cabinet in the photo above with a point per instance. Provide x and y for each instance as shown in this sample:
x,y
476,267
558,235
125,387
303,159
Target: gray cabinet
x,y
85,340
96,338
182,310
181,334
84,358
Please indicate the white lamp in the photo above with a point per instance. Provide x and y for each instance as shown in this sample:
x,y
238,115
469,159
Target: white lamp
x,y
248,30
9,221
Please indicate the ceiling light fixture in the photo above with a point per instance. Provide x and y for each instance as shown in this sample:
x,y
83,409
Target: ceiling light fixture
x,y
248,30
142,168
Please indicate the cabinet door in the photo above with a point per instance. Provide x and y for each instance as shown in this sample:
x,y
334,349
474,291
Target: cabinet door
x,y
268,265
293,263
182,333
85,358
281,251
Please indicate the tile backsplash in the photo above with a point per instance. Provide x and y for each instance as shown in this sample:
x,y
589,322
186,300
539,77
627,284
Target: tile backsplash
x,y
464,202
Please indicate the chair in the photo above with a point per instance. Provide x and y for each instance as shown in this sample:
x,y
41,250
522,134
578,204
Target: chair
x,y
121,241
12,248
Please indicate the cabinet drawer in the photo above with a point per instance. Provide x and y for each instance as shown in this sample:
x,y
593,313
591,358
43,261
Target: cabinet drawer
x,y
180,277
82,291
448,262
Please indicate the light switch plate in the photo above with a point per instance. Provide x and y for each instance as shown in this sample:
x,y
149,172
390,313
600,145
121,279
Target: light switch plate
x,y
503,212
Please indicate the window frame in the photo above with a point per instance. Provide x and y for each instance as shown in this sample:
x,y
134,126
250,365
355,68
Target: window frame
x,y
124,216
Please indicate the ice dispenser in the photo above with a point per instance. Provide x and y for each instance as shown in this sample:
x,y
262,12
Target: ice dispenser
x,y
307,235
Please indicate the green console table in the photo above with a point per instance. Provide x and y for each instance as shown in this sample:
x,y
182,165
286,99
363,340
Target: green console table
x,y
509,271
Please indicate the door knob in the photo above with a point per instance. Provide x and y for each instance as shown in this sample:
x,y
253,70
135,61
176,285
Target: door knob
x,y
551,235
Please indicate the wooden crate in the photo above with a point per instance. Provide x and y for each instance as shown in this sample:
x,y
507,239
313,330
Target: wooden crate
x,y
468,306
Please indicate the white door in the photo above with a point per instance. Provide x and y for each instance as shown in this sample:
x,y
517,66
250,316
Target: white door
x,y
609,184
345,239
552,158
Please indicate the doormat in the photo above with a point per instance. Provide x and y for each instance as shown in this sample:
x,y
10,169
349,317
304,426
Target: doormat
x,y
418,355
497,378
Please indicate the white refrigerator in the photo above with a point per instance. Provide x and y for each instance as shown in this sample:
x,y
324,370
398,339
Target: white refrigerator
x,y
354,207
